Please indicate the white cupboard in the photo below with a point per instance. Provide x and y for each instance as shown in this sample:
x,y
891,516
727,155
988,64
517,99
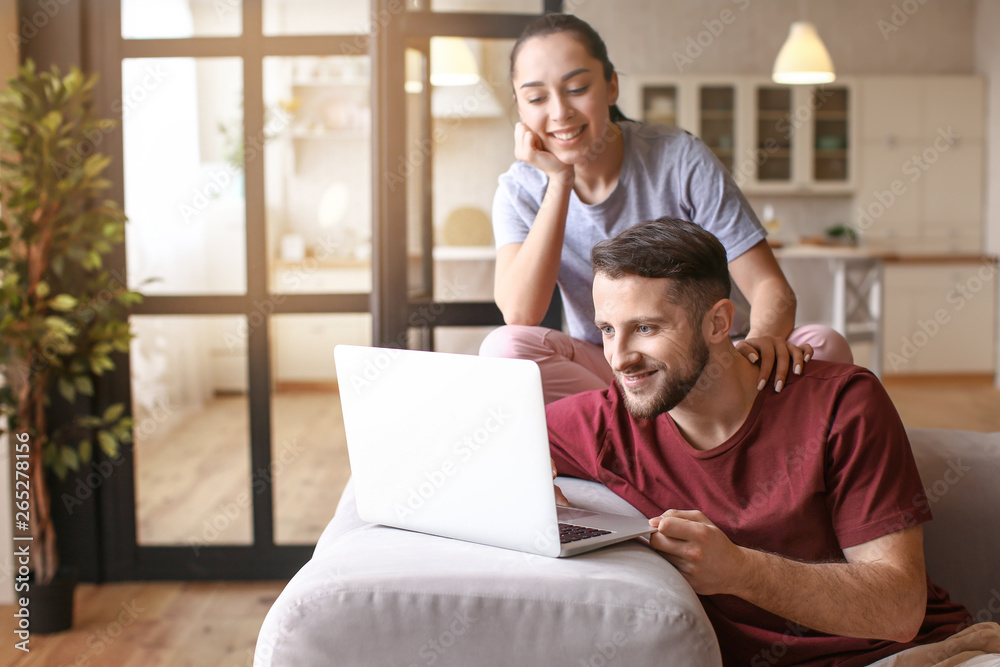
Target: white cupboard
x,y
921,163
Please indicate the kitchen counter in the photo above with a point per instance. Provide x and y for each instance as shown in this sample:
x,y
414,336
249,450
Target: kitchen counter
x,y
806,251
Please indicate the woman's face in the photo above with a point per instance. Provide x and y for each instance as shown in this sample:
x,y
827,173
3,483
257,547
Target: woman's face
x,y
562,96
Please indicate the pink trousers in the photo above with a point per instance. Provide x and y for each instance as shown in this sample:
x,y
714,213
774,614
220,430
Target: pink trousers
x,y
569,365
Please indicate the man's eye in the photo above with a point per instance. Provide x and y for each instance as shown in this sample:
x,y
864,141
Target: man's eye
x,y
645,328
607,331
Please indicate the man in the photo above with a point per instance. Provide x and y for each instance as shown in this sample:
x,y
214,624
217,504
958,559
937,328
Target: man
x,y
794,515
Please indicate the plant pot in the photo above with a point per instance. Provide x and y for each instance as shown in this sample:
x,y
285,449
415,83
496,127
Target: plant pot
x,y
50,606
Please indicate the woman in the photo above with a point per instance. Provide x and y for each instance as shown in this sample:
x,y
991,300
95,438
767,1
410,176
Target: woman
x,y
585,173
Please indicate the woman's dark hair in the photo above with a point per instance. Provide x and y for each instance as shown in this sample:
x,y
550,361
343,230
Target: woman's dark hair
x,y
692,258
581,30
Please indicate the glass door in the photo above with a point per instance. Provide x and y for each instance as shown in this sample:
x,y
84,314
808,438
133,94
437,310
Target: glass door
x,y
831,134
246,171
444,134
717,114
774,134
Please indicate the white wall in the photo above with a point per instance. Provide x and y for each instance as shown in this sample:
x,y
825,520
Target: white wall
x,y
644,36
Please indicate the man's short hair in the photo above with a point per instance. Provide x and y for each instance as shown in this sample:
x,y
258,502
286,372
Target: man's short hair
x,y
692,258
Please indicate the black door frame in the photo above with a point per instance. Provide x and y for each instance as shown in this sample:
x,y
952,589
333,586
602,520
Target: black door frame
x,y
395,311
124,558
390,305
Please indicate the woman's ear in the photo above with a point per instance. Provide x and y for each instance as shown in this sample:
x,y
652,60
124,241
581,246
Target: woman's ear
x,y
719,321
613,89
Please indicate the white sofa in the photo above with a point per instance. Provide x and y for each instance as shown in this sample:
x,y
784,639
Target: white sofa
x,y
372,595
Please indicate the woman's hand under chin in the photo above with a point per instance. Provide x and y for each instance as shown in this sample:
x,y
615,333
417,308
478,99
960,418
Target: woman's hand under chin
x,y
528,148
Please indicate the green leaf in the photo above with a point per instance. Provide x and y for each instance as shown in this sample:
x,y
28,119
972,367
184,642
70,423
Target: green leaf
x,y
52,121
108,443
42,289
89,421
112,414
70,458
86,451
63,302
67,389
84,385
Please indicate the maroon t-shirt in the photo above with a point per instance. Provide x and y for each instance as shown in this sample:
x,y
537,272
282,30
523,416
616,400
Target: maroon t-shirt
x,y
822,466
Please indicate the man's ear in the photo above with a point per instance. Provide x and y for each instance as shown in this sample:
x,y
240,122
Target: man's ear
x,y
718,321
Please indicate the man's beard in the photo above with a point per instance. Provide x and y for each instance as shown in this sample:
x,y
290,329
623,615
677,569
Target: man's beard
x,y
675,385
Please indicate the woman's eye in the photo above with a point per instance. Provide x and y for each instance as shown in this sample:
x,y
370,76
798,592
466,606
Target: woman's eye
x,y
535,100
578,91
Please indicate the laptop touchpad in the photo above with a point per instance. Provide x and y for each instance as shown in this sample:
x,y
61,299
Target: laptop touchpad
x,y
571,513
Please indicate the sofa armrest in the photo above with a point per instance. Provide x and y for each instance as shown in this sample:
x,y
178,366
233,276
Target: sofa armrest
x,y
376,595
960,471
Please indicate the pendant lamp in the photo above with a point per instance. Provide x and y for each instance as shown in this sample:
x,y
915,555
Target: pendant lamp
x,y
803,58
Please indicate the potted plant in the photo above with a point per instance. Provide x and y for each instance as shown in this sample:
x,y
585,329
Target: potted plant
x,y
62,313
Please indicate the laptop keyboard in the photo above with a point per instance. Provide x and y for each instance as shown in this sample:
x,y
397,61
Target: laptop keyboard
x,y
570,533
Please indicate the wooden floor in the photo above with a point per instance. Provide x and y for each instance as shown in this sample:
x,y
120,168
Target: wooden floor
x,y
216,624
194,485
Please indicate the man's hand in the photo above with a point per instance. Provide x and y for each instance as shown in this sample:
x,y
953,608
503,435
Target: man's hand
x,y
560,498
699,550
879,592
774,353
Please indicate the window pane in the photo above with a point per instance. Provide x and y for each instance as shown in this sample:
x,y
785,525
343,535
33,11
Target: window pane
x,y
469,125
318,173
309,452
160,19
183,159
492,6
192,442
317,17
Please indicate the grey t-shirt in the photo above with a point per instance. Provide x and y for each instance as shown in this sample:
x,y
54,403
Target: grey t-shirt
x,y
666,171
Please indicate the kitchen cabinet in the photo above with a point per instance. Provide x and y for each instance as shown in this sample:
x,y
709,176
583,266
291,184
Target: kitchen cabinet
x,y
303,344
920,184
802,138
773,139
940,317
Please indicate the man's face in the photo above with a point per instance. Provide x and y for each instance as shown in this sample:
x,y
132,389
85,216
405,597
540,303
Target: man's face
x,y
656,354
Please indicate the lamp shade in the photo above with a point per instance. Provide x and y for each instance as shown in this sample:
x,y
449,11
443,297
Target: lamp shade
x,y
803,58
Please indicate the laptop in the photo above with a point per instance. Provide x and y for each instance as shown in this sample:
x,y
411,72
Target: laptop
x,y
457,446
